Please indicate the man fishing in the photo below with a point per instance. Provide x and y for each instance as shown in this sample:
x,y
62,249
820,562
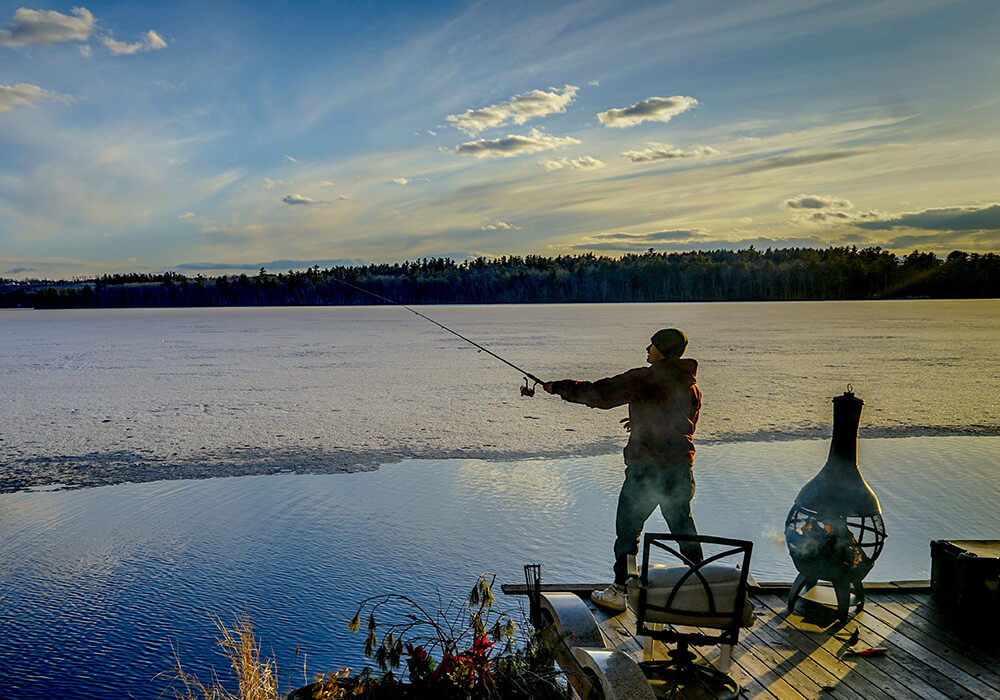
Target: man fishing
x,y
663,404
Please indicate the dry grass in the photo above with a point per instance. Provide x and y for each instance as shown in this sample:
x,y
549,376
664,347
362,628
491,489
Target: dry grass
x,y
256,679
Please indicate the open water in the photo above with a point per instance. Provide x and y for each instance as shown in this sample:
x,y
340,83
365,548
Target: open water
x,y
142,407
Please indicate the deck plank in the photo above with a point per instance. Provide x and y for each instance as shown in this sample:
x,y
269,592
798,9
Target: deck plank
x,y
802,655
921,613
826,650
957,666
922,667
784,660
886,673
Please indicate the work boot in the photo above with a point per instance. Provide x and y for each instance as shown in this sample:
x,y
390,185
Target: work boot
x,y
611,598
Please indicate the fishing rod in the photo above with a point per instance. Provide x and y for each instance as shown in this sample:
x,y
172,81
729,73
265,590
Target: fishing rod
x,y
525,390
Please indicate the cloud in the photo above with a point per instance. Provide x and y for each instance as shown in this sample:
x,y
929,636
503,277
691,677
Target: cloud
x,y
26,95
269,183
581,163
517,109
825,210
813,201
665,151
186,215
637,242
499,225
654,109
290,159
154,40
297,199
401,180
514,144
837,216
776,162
151,41
45,27
984,218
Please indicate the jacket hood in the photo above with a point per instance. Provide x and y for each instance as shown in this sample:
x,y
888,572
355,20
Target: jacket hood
x,y
684,367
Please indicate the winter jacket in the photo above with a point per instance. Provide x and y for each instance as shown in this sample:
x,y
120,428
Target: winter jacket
x,y
663,405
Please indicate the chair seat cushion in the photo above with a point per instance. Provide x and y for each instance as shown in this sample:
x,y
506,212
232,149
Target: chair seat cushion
x,y
691,597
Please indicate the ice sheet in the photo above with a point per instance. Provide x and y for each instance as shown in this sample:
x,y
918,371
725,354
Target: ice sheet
x,y
93,397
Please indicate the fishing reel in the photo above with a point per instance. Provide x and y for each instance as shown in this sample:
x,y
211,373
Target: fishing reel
x,y
528,391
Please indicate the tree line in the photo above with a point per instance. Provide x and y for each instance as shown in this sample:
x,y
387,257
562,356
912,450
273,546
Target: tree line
x,y
718,275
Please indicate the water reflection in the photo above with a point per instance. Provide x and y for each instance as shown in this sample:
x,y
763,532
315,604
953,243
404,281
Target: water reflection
x,y
96,583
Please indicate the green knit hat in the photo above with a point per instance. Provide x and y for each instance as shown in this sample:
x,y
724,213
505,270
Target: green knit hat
x,y
670,342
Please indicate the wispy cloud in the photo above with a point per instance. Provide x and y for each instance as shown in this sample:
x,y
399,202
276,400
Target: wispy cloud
x,y
837,216
826,210
290,159
25,95
514,145
653,109
814,201
186,215
499,226
791,161
517,110
665,151
982,218
581,163
297,199
150,41
401,180
46,27
635,242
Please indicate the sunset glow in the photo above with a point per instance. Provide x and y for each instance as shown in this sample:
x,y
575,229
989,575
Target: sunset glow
x,y
220,137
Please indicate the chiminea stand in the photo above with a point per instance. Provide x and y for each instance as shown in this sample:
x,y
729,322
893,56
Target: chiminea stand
x,y
835,530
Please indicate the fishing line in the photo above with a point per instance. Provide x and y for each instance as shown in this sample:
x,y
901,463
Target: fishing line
x,y
525,390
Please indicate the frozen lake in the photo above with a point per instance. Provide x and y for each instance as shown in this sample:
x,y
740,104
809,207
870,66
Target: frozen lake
x,y
99,397
95,583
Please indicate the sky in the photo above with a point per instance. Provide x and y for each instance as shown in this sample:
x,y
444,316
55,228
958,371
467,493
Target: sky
x,y
217,137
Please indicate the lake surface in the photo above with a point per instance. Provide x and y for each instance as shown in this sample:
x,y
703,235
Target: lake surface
x,y
98,397
97,583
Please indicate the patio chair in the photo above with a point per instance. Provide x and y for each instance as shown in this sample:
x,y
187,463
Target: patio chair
x,y
692,604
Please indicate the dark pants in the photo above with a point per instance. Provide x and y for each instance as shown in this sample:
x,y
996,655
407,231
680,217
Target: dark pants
x,y
669,487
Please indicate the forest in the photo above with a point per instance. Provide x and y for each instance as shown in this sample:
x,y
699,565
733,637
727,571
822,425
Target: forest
x,y
719,275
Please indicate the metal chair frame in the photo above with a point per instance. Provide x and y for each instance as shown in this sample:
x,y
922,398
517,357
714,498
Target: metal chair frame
x,y
681,658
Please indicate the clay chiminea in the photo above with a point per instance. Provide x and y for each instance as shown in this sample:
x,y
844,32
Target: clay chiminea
x,y
834,530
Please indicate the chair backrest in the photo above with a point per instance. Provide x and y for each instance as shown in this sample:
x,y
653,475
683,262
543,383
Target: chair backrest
x,y
709,594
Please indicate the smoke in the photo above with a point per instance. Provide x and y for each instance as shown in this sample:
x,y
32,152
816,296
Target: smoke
x,y
775,536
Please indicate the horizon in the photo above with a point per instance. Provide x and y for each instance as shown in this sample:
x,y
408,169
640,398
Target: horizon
x,y
216,139
279,268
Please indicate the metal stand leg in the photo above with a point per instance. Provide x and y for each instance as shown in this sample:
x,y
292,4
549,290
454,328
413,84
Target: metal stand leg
x,y
843,589
859,593
800,582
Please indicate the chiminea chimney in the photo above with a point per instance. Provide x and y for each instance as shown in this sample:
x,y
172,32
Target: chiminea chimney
x,y
834,530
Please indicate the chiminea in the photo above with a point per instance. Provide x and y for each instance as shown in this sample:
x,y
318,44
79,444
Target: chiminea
x,y
834,530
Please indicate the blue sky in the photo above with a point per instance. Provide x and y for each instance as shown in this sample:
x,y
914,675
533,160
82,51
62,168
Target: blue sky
x,y
219,136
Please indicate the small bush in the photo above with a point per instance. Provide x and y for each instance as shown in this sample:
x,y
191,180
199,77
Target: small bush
x,y
460,651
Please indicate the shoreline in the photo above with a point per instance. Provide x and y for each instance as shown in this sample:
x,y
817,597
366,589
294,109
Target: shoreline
x,y
44,474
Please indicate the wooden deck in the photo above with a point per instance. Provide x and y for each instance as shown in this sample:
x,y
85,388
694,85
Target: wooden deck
x,y
791,656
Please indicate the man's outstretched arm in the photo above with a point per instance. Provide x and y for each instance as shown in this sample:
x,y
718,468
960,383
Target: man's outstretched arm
x,y
605,393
